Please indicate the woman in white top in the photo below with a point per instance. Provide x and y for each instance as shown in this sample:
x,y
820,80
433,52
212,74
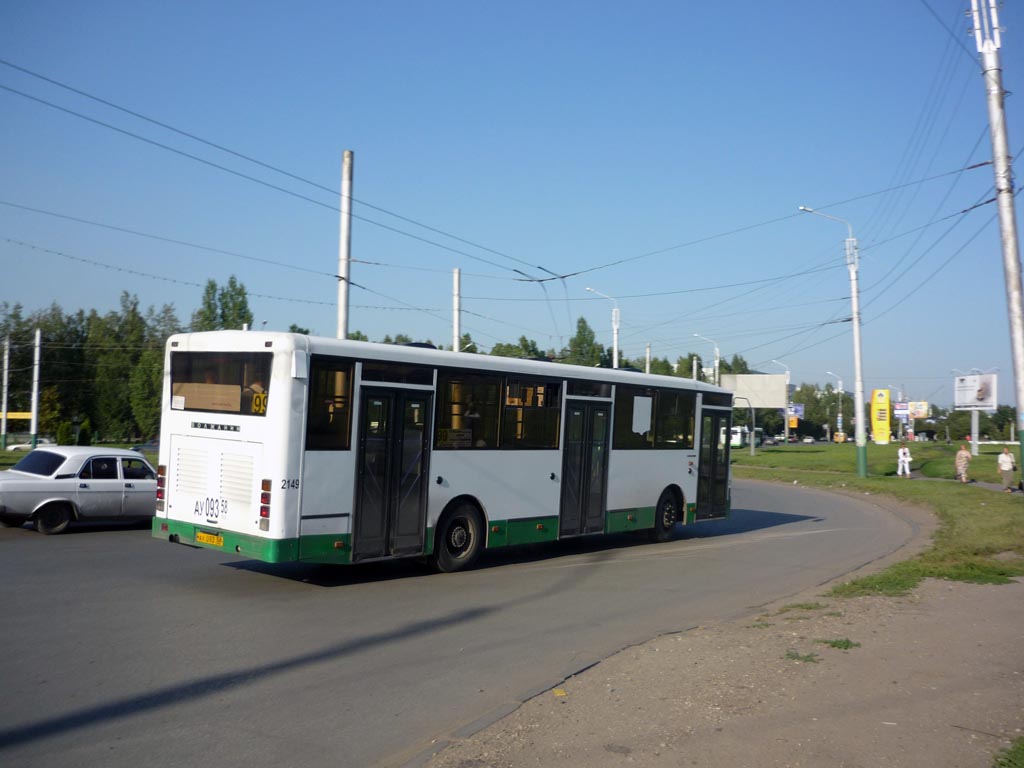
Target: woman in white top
x,y
1007,465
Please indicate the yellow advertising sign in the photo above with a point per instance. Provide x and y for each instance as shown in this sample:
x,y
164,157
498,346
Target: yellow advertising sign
x,y
880,430
794,422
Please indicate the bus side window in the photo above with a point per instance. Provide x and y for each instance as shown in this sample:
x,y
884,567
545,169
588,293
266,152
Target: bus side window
x,y
329,417
467,410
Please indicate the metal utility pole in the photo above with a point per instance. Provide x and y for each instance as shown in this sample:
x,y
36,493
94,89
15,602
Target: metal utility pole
x,y
345,242
785,417
647,366
839,418
35,389
986,36
456,312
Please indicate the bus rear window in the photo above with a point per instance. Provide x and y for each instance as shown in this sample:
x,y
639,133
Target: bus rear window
x,y
224,382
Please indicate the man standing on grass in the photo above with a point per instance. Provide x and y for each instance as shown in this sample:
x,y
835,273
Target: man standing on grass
x,y
903,460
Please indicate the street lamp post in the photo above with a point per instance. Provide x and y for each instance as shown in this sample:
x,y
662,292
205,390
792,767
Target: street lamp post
x,y
718,357
785,417
615,326
852,260
839,418
899,399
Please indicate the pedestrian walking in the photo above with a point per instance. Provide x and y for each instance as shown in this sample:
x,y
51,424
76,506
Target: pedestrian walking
x,y
963,461
903,460
1007,466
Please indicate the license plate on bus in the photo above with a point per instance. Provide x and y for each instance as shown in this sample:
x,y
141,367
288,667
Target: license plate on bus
x,y
209,538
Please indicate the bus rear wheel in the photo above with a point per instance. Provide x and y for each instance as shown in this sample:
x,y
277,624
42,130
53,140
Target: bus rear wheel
x,y
665,516
458,540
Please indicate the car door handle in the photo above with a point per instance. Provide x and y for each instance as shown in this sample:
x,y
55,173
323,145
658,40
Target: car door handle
x,y
129,485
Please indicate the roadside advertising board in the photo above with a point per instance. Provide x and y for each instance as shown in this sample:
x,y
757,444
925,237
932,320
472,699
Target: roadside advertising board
x,y
919,409
976,392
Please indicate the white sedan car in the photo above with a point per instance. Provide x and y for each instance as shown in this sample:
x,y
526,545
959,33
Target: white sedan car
x,y
42,442
52,486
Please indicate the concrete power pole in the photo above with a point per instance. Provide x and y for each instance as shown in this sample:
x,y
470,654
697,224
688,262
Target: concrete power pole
x,y
456,312
345,242
986,36
3,407
35,389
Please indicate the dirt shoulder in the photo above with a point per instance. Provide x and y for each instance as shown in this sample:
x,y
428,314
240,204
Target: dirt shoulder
x,y
936,680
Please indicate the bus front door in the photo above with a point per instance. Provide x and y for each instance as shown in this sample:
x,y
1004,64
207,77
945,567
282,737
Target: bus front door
x,y
584,468
713,475
391,494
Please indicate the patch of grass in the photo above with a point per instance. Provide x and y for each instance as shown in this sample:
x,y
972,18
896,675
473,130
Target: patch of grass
x,y
807,658
976,524
833,614
760,625
930,459
843,644
800,607
1011,757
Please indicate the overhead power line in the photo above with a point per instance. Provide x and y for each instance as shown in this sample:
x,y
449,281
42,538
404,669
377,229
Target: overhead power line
x,y
263,164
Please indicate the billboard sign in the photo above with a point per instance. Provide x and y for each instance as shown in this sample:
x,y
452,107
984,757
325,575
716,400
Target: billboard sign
x,y
919,409
880,429
976,392
796,409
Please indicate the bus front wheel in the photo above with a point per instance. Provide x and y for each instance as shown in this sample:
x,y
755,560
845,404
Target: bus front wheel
x,y
458,539
665,516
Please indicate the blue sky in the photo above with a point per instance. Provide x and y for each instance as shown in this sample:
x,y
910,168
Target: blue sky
x,y
672,141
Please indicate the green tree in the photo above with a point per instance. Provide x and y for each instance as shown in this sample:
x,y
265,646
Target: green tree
x,y
357,336
144,390
207,317
225,307
466,344
114,345
50,412
583,349
526,349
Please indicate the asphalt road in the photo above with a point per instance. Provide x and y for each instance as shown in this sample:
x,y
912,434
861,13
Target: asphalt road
x,y
122,650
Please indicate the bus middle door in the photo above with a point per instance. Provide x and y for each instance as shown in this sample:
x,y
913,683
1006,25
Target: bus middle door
x,y
391,492
584,468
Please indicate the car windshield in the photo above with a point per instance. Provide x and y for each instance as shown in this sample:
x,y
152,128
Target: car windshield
x,y
39,463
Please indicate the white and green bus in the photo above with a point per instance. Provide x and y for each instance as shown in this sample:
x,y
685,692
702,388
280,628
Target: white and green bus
x,y
284,447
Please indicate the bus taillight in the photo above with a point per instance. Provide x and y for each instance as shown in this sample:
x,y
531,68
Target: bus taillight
x,y
264,502
161,484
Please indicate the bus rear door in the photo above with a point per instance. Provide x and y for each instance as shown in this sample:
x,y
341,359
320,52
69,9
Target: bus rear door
x,y
713,476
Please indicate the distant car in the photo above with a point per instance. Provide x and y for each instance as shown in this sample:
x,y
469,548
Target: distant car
x,y
769,441
151,446
25,447
808,439
55,485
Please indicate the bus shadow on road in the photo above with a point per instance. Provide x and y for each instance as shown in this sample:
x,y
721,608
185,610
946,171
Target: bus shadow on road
x,y
740,521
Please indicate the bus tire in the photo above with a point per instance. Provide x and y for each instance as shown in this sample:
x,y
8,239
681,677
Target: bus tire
x,y
665,516
459,538
52,519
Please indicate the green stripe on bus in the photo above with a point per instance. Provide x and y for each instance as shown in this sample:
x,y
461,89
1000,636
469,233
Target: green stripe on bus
x,y
267,550
691,514
631,519
326,548
527,531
